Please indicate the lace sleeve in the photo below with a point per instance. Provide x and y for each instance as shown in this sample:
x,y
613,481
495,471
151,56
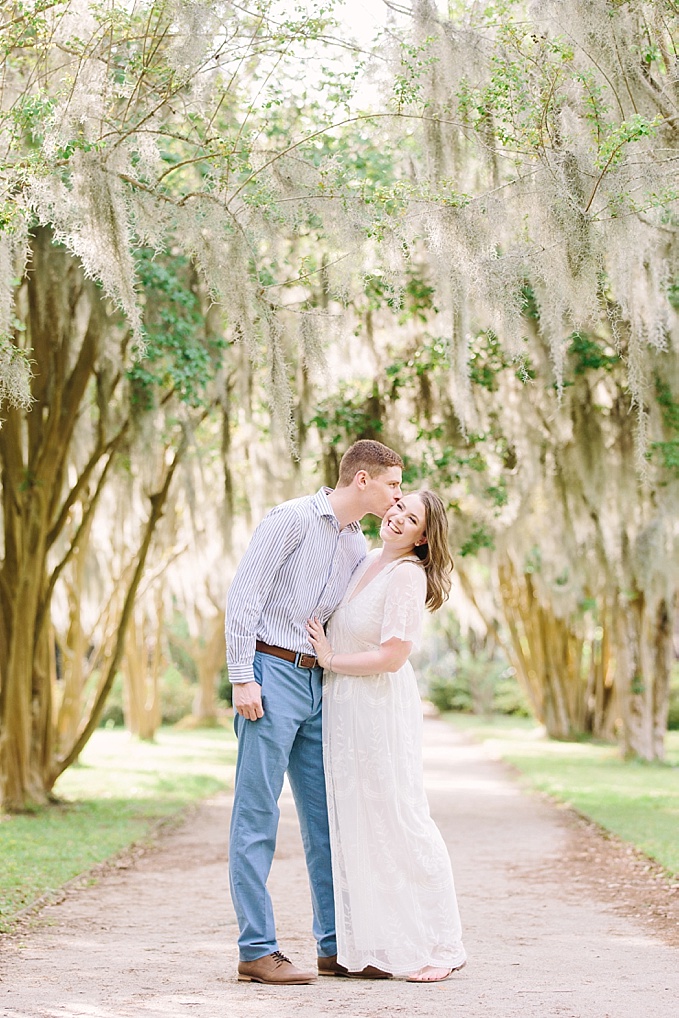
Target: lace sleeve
x,y
404,603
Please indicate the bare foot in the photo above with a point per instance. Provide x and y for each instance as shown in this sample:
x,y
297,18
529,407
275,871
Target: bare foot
x,y
429,974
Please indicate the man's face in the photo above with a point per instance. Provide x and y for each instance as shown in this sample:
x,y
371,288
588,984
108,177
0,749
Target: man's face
x,y
382,491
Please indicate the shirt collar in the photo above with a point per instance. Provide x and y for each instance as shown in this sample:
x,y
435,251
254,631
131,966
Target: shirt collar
x,y
321,503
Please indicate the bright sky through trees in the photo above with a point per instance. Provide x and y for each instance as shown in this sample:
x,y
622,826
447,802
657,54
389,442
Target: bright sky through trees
x,y
363,18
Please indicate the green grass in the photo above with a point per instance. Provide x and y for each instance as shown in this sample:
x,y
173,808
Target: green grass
x,y
120,788
637,801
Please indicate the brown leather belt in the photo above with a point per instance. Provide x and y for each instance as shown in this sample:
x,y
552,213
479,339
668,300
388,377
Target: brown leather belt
x,y
301,660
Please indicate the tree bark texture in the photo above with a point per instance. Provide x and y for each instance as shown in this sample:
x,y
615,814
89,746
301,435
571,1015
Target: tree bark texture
x,y
141,672
208,654
643,676
614,684
158,502
62,331
49,496
546,653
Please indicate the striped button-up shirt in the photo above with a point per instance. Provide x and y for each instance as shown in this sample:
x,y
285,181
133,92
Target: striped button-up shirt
x,y
297,565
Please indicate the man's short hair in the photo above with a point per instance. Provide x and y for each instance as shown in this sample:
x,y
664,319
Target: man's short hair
x,y
368,455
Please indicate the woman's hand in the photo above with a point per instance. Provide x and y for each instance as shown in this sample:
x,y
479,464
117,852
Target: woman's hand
x,y
320,642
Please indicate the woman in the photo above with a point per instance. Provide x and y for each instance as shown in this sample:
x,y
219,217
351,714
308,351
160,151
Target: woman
x,y
394,894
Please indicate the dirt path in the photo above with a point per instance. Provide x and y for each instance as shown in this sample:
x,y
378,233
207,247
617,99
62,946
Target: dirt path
x,y
559,922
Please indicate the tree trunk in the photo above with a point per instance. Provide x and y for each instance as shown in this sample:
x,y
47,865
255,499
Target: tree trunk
x,y
141,671
208,655
33,450
157,501
615,684
547,655
74,647
643,677
65,329
601,698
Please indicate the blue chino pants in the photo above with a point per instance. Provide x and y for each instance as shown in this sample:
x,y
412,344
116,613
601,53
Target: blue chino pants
x,y
288,738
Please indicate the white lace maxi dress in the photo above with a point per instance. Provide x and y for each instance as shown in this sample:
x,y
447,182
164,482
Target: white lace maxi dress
x,y
394,893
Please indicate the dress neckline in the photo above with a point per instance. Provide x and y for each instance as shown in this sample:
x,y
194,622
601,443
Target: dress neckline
x,y
351,596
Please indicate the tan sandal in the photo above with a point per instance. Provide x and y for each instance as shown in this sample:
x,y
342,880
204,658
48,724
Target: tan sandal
x,y
431,974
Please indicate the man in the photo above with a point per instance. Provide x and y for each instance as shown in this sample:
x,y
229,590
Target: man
x,y
297,565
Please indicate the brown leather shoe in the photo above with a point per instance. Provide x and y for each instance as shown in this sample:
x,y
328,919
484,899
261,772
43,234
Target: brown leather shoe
x,y
331,967
273,968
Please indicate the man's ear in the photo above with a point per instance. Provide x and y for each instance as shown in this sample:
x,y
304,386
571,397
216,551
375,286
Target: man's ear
x,y
361,478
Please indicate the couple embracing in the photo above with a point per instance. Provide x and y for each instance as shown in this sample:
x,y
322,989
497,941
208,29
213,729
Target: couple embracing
x,y
341,715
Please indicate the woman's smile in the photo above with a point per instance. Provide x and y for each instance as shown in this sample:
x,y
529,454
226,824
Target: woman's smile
x,y
404,520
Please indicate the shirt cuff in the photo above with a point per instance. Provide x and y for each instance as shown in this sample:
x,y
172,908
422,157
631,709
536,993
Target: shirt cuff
x,y
240,673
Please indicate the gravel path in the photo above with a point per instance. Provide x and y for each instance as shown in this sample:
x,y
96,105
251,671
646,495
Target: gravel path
x,y
559,922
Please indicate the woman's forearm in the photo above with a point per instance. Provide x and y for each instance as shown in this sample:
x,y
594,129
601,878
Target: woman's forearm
x,y
389,658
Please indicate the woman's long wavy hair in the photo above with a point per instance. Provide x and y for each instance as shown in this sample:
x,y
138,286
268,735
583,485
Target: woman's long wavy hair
x,y
435,554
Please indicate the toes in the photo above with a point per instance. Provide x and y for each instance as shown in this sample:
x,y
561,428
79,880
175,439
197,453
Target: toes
x,y
429,974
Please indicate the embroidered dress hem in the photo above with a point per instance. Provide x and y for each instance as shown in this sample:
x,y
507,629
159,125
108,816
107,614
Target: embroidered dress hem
x,y
446,960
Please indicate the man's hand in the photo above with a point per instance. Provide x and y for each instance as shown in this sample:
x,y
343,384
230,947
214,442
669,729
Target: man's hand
x,y
247,700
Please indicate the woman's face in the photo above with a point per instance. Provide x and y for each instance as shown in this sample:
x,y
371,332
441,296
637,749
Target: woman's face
x,y
403,525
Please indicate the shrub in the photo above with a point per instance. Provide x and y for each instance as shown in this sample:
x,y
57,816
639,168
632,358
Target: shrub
x,y
509,698
224,692
113,715
177,634
451,693
176,700
475,684
176,696
673,716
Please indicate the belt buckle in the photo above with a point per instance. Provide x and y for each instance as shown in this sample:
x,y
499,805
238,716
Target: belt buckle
x,y
300,660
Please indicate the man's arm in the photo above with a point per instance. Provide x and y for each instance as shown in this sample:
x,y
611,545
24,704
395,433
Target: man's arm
x,y
272,543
